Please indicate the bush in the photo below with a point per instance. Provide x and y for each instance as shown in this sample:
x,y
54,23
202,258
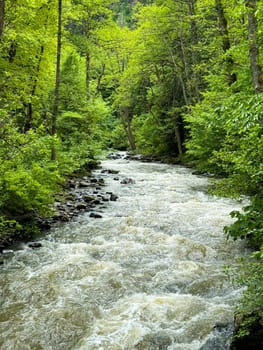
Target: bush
x,y
250,308
29,178
249,225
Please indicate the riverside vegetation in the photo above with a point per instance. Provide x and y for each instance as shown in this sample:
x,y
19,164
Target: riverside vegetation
x,y
181,80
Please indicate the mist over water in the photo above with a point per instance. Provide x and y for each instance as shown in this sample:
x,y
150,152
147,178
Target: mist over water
x,y
148,275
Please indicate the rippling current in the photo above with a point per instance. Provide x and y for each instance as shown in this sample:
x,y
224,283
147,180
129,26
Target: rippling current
x,y
148,275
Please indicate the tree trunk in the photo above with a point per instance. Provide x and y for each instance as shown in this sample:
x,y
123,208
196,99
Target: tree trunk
x,y
57,84
223,28
256,69
127,127
2,17
86,29
178,141
29,117
130,136
186,68
88,75
194,38
99,78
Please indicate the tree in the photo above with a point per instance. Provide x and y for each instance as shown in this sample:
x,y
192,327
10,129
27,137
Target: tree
x,y
26,51
57,84
223,28
2,17
88,16
255,65
158,53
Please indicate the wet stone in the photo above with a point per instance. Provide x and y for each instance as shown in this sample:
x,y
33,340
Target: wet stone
x,y
157,341
113,197
95,215
217,341
115,156
84,184
71,184
88,199
80,205
44,224
69,196
127,180
109,171
35,245
61,217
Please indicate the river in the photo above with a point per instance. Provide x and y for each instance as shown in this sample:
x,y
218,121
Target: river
x,y
148,275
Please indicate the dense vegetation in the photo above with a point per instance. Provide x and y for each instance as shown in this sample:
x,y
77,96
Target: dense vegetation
x,y
176,79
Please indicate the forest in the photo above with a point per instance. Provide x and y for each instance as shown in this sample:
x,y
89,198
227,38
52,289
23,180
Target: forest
x,y
181,81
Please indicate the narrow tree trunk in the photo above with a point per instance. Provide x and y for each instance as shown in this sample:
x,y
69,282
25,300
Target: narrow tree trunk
x,y
2,17
256,68
194,38
57,84
29,117
88,75
158,74
178,141
130,136
99,78
186,66
127,127
193,26
86,29
223,28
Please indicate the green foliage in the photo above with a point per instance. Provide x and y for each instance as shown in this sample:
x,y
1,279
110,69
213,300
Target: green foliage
x,y
153,135
250,310
8,228
118,139
74,158
249,225
72,127
226,138
29,177
72,85
206,135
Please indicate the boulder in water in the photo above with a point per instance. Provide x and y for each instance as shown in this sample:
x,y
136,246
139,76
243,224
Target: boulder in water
x,y
109,171
113,197
127,180
155,341
95,215
35,245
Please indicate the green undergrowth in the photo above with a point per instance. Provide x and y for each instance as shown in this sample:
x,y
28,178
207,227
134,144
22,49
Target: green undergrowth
x,y
249,226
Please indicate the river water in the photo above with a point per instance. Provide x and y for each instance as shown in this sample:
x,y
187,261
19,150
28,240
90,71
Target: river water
x,y
148,275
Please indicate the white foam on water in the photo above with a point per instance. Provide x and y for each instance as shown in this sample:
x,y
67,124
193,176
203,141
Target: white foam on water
x,y
148,275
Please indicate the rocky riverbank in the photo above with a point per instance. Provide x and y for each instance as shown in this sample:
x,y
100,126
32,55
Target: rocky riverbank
x,y
80,194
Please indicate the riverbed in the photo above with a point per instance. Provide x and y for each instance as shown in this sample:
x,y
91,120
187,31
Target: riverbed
x,y
147,275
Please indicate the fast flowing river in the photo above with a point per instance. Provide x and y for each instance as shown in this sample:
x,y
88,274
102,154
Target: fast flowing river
x,y
148,275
